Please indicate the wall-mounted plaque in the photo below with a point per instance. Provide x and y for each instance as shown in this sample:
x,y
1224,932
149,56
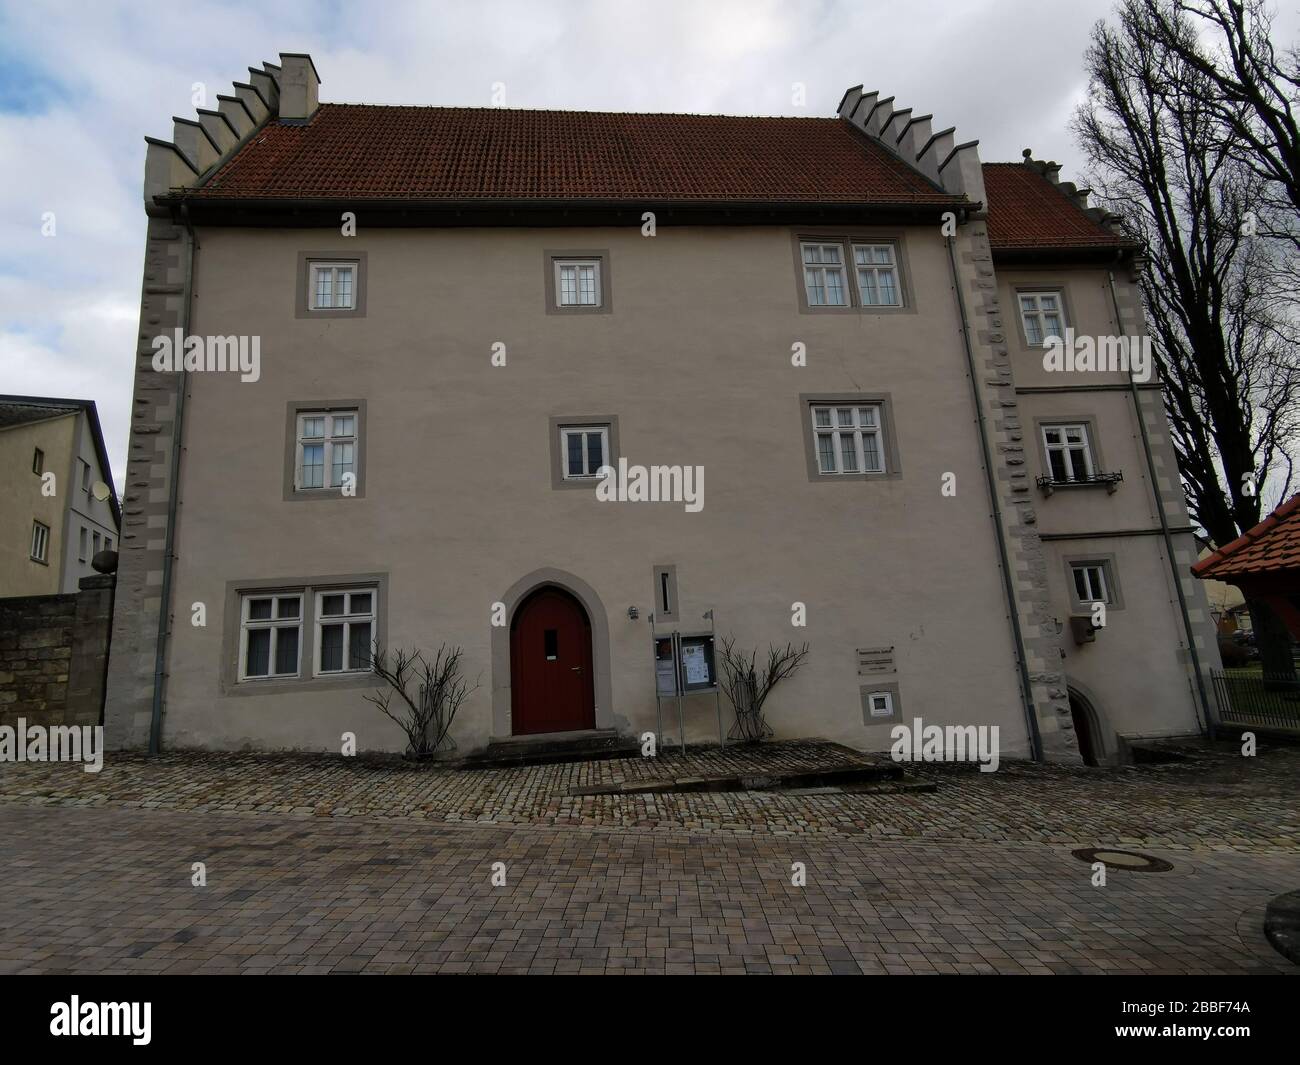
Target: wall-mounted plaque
x,y
875,660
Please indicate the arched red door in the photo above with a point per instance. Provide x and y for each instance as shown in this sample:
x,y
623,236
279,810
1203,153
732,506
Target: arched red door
x,y
551,687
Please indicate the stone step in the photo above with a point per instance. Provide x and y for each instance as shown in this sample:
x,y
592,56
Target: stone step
x,y
547,750
872,772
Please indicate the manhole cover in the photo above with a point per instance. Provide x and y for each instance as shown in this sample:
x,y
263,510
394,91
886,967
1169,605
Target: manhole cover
x,y
1131,860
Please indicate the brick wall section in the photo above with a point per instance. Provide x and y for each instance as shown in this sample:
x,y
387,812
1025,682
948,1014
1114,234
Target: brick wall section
x,y
144,511
1006,442
53,653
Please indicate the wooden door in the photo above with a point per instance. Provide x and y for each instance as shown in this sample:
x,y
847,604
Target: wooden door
x,y
551,683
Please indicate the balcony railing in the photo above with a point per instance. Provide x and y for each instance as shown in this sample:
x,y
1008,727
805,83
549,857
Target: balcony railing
x,y
1109,481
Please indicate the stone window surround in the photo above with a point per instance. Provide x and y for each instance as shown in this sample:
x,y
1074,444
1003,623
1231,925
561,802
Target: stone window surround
x,y
1067,310
358,308
888,431
865,691
1089,421
1109,566
847,237
293,409
307,587
601,421
549,258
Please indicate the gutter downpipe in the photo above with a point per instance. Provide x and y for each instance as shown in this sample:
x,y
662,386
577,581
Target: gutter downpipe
x,y
1026,685
1208,724
164,613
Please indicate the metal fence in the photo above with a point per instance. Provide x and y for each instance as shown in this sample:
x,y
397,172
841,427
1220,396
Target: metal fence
x,y
1249,697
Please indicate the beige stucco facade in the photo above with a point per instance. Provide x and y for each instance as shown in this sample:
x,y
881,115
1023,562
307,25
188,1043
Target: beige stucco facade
x,y
951,567
59,502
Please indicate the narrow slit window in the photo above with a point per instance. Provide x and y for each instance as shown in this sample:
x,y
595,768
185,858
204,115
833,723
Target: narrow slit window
x,y
551,644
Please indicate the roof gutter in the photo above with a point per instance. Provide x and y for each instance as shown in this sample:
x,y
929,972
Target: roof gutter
x,y
1008,587
1203,715
169,549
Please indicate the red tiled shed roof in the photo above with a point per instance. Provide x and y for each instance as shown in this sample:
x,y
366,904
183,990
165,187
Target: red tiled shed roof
x,y
1272,545
1026,212
363,151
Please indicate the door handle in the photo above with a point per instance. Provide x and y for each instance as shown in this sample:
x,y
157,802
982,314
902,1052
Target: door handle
x,y
576,669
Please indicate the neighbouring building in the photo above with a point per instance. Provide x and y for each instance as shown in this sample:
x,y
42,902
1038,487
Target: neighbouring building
x,y
834,328
59,508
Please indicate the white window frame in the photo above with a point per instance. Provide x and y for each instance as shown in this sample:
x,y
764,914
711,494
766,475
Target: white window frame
x,y
83,542
570,430
1036,315
876,269
1067,449
886,706
824,268
559,265
316,267
40,542
275,623
108,543
858,431
327,442
85,476
1088,569
347,620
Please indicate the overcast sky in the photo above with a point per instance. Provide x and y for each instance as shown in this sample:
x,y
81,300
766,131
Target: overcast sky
x,y
81,84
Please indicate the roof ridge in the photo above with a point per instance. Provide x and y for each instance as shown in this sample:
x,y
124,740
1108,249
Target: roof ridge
x,y
1251,536
576,111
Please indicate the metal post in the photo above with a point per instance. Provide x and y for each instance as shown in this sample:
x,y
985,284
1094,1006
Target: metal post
x,y
677,671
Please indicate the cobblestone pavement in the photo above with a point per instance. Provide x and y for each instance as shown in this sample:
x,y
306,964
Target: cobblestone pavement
x,y
1215,800
109,890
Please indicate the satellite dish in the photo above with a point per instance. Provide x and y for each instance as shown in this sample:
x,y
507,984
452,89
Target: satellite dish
x,y
100,490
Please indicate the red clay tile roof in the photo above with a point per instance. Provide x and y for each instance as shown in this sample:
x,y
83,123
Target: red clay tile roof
x,y
1026,211
1273,544
362,151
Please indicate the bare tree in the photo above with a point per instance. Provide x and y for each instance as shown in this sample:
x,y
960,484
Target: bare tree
x,y
748,686
1167,161
427,714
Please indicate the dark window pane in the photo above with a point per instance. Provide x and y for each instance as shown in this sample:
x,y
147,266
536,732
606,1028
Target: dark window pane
x,y
288,608
257,661
331,647
575,454
361,603
595,452
286,651
1058,465
259,609
359,646
331,604
551,638
1081,584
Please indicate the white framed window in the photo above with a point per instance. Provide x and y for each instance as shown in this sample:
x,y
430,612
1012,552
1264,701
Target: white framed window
x,y
81,544
577,282
1042,317
85,475
848,439
876,268
1090,582
1069,457
823,274
345,630
270,635
331,286
327,449
95,537
108,543
40,542
880,704
584,449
